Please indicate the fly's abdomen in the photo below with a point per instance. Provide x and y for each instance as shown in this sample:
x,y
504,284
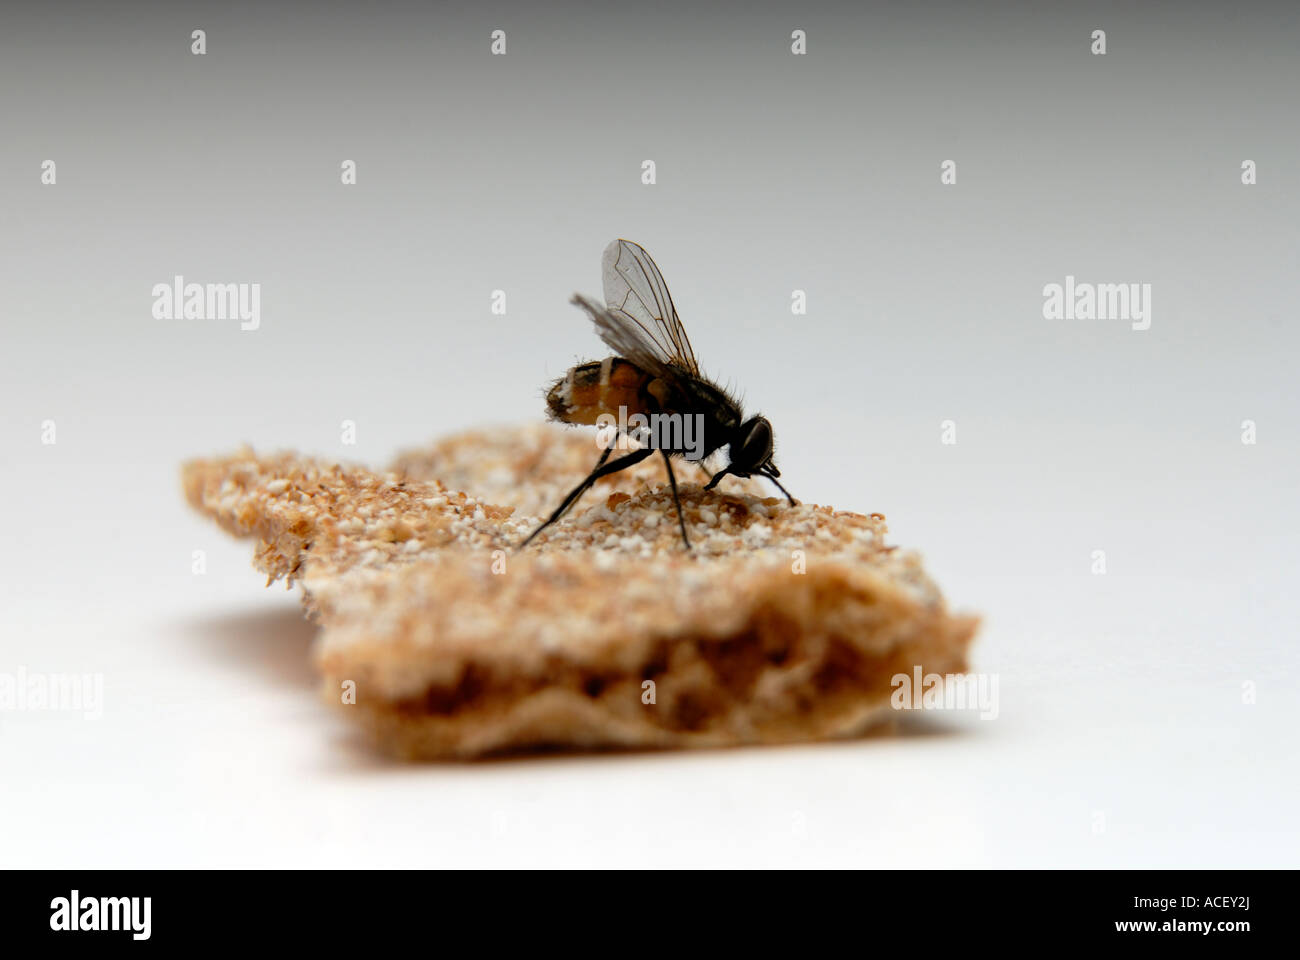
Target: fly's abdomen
x,y
591,389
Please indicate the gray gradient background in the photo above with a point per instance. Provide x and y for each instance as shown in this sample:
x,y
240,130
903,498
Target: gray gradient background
x,y
1120,694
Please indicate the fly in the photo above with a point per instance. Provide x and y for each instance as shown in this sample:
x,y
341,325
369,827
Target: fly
x,y
654,384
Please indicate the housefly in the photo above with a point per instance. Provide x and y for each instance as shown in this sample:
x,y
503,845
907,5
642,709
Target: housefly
x,y
652,389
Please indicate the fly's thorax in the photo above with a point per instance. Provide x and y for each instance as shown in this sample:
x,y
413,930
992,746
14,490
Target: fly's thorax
x,y
716,414
700,396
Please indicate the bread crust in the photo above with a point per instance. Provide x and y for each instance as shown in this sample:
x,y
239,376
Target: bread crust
x,y
785,624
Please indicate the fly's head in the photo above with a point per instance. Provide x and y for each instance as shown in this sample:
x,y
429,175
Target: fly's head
x,y
751,452
751,449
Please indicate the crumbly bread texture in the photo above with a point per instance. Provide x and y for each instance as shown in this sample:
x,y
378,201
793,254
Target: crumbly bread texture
x,y
784,624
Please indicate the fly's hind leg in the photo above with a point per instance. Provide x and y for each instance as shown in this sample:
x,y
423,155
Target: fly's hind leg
x,y
602,469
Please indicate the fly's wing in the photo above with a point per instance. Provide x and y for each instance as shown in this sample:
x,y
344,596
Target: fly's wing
x,y
622,335
642,309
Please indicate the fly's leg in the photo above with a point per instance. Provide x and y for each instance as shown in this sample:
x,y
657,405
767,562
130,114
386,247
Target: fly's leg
x,y
672,482
603,469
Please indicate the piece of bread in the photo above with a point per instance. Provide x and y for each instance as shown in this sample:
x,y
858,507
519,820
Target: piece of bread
x,y
784,624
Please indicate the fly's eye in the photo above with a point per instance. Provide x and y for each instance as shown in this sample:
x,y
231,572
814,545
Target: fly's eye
x,y
755,447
